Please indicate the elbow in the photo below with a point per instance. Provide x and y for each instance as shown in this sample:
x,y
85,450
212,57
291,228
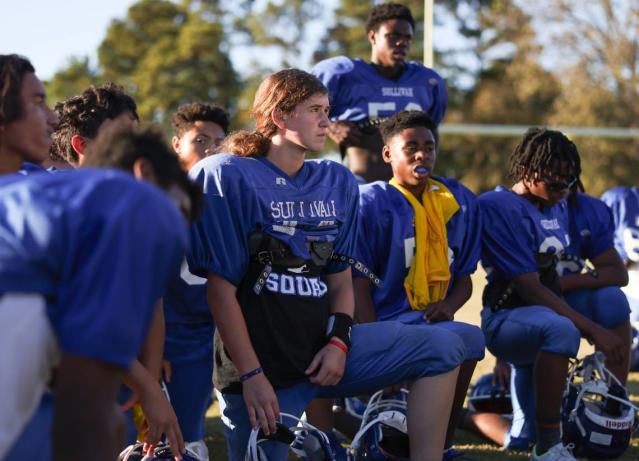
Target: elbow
x,y
622,277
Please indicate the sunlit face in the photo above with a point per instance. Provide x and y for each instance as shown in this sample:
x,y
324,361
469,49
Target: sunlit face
x,y
391,42
202,139
307,125
554,185
29,137
412,154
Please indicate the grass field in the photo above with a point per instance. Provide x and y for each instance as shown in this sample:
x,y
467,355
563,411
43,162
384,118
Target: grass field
x,y
472,445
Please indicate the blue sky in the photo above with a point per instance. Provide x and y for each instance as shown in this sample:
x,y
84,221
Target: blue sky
x,y
49,32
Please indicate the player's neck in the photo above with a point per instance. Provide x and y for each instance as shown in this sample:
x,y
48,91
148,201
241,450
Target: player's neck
x,y
9,162
287,157
521,190
392,72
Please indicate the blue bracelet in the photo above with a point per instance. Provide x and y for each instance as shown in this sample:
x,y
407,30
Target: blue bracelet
x,y
250,374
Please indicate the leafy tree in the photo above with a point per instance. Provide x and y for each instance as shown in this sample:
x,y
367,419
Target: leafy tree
x,y
164,54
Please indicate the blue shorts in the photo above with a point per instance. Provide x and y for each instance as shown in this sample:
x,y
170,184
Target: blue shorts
x,y
190,390
517,335
382,354
607,306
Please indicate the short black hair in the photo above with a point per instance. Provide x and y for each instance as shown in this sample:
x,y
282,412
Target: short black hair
x,y
405,119
13,68
387,11
120,147
541,150
83,114
187,114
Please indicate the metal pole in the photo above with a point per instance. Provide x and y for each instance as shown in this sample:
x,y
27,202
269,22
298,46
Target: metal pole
x,y
428,33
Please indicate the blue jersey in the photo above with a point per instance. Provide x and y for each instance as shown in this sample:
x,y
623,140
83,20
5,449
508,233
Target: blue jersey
x,y
514,231
357,92
386,240
189,323
591,231
624,203
99,246
246,194
314,210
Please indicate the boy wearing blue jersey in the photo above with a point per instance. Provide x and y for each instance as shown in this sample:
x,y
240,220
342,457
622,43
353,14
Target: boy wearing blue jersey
x,y
273,242
419,233
199,129
23,109
361,92
525,319
77,269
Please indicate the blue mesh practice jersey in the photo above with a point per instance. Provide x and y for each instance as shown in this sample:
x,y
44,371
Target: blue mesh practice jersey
x,y
287,320
357,92
245,194
99,245
624,203
514,230
591,231
386,240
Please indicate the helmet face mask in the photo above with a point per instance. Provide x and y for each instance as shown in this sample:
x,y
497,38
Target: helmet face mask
x,y
161,452
303,439
383,433
487,397
597,417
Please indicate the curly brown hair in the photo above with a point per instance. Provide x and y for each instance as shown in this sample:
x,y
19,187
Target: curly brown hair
x,y
83,114
187,114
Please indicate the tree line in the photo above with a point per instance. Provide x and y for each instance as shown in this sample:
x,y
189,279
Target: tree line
x,y
553,62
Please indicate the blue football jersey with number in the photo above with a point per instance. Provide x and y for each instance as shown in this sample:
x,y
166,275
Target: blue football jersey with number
x,y
386,241
514,231
624,203
99,246
357,92
591,231
243,195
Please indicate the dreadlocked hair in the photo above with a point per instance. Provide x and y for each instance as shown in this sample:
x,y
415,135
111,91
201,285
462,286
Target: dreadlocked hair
x,y
541,152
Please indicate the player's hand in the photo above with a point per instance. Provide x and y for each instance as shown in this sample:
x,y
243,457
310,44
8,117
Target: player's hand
x,y
166,371
261,403
161,419
440,311
608,343
345,132
327,367
501,374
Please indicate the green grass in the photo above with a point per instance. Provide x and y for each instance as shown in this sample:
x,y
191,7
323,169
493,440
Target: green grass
x,y
471,444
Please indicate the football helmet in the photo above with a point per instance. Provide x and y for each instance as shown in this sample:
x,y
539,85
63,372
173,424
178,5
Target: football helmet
x,y
304,440
383,433
161,452
488,397
597,418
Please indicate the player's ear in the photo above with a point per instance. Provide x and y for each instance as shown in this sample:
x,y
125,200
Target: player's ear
x,y
386,154
143,170
371,37
78,143
175,143
279,119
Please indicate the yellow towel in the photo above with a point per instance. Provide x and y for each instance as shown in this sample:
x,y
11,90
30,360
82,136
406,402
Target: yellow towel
x,y
429,275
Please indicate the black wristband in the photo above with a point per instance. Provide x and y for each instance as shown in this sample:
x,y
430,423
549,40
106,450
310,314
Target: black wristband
x,y
339,326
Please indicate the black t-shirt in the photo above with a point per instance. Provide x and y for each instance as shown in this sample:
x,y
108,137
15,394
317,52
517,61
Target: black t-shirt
x,y
286,322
